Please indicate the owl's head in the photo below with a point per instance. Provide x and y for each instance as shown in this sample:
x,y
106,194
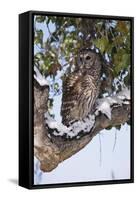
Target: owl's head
x,y
87,59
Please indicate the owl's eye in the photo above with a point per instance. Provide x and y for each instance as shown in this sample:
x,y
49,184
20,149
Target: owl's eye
x,y
88,58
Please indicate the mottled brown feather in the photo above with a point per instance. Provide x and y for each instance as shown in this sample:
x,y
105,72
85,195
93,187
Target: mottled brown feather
x,y
80,90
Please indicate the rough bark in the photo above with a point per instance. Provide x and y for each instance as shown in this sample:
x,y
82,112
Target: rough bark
x,y
51,151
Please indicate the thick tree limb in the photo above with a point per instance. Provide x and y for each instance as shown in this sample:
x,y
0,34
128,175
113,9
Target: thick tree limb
x,y
51,151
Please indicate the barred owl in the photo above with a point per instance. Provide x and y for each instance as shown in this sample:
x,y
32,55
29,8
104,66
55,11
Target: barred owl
x,y
81,87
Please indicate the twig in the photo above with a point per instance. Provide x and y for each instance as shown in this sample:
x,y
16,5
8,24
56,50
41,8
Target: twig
x,y
51,33
115,141
100,150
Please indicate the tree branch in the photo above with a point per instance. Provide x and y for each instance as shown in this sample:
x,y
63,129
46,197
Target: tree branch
x,y
50,151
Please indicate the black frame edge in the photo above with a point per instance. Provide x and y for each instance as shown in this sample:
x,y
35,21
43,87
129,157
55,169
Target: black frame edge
x,y
24,91
28,171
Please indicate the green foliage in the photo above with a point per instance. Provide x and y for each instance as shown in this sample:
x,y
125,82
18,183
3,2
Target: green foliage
x,y
57,41
102,44
121,60
40,19
38,37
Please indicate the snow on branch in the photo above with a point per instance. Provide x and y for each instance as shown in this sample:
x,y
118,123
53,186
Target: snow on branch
x,y
40,78
124,94
60,129
104,106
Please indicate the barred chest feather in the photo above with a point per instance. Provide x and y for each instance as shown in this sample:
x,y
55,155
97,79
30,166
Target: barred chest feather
x,y
80,91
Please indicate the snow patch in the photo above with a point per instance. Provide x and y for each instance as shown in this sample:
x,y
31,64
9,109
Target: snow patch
x,y
105,105
40,78
124,94
60,129
104,108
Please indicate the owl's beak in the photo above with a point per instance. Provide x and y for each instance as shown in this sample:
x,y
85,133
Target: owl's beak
x,y
82,65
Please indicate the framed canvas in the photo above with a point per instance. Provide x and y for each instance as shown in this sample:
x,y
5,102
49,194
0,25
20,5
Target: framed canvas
x,y
75,99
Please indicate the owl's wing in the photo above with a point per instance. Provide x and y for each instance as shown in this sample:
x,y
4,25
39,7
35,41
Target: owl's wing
x,y
70,96
78,91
